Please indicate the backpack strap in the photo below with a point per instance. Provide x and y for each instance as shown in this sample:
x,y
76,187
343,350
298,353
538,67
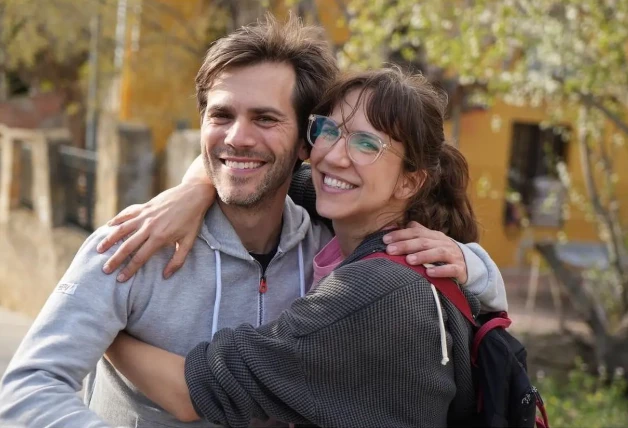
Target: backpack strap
x,y
500,321
446,286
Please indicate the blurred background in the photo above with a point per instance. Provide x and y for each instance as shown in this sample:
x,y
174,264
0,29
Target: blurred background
x,y
97,111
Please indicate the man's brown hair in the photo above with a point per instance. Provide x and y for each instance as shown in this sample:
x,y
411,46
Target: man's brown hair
x,y
301,46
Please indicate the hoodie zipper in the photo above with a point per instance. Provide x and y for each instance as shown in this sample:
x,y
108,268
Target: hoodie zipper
x,y
263,287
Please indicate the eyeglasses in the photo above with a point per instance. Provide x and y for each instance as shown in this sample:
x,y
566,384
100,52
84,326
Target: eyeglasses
x,y
363,148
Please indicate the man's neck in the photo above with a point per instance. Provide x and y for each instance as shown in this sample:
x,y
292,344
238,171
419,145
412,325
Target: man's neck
x,y
259,227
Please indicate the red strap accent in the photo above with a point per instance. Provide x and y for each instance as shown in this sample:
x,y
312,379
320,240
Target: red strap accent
x,y
501,321
447,287
542,422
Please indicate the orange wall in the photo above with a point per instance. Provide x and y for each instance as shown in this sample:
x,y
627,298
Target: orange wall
x,y
488,151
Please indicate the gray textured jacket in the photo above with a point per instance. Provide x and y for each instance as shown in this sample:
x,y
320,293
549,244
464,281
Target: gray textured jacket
x,y
362,350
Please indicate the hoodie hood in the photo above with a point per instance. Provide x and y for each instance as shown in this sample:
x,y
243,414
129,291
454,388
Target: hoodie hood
x,y
218,232
221,237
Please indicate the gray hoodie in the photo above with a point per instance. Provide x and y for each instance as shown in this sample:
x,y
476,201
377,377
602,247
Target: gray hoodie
x,y
217,287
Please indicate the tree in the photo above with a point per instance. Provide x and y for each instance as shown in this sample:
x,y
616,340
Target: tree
x,y
47,43
537,52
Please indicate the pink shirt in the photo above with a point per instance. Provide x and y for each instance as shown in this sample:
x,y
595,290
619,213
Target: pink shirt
x,y
326,261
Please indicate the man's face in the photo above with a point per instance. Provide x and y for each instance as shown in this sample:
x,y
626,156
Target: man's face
x,y
249,133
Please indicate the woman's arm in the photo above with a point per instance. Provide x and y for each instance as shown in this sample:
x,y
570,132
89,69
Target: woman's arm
x,y
157,373
196,173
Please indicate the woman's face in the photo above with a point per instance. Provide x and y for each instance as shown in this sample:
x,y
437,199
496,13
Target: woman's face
x,y
369,196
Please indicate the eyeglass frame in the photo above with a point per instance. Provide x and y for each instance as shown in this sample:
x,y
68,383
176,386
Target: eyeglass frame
x,y
384,146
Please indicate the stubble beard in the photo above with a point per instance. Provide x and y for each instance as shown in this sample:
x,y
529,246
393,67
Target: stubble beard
x,y
279,171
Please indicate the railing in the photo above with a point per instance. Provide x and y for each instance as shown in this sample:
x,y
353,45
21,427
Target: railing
x,y
78,178
26,175
42,170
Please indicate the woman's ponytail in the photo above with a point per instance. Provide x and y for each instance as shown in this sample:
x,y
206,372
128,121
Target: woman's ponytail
x,y
443,203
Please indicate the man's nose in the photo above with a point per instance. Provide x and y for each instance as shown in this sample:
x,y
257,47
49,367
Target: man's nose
x,y
240,135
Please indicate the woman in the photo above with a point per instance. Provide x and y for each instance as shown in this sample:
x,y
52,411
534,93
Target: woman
x,y
373,344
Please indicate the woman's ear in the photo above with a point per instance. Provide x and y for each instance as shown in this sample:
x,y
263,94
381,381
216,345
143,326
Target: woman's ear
x,y
409,184
304,151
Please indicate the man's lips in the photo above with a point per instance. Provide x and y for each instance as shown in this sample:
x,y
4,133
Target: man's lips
x,y
242,163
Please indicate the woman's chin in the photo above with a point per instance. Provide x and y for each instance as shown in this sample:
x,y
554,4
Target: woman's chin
x,y
331,211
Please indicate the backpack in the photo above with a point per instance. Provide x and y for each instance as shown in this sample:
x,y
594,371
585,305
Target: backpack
x,y
505,394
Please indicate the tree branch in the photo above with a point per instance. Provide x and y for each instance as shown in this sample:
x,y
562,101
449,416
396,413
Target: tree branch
x,y
613,244
574,283
590,101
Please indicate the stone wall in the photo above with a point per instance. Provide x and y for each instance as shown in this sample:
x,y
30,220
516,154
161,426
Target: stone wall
x,y
33,257
37,246
126,167
183,147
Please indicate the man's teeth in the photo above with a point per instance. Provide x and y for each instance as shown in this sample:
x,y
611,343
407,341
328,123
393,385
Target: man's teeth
x,y
338,184
243,165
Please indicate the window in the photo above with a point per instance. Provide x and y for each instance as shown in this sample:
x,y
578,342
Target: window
x,y
534,190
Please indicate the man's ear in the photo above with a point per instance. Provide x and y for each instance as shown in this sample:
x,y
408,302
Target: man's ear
x,y
304,150
409,184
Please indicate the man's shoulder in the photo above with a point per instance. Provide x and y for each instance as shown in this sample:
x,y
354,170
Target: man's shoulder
x,y
89,262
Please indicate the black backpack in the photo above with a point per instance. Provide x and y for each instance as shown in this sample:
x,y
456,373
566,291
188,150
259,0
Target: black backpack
x,y
505,394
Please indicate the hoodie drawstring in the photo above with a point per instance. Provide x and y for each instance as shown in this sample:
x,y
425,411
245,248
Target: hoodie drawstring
x,y
441,327
219,285
301,271
218,293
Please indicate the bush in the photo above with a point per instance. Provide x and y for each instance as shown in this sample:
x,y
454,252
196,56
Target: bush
x,y
585,400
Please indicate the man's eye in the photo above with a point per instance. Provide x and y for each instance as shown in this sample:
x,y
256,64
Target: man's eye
x,y
218,117
266,119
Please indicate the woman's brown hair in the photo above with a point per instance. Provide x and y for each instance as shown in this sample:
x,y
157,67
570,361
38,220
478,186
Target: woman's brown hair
x,y
411,110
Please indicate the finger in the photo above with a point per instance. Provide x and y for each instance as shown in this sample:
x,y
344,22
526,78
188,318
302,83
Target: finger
x,y
432,255
445,271
416,231
178,258
425,231
139,259
403,234
125,250
126,214
411,246
117,233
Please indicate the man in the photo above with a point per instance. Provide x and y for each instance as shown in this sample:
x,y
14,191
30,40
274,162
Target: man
x,y
255,90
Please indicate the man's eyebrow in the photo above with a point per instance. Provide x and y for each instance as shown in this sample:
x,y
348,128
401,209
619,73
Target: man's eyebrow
x,y
266,110
218,107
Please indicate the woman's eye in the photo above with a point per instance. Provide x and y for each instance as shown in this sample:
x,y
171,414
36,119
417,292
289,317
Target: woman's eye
x,y
329,132
367,145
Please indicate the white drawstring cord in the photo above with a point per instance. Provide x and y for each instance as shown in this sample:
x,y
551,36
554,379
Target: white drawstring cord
x,y
218,293
301,271
441,327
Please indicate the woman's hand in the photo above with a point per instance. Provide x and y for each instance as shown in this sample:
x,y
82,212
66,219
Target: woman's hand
x,y
426,246
172,217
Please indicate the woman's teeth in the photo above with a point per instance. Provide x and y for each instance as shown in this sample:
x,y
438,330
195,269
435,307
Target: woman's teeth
x,y
243,165
337,184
